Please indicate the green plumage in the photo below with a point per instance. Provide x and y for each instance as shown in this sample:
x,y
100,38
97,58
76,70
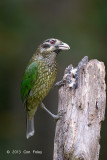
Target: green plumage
x,y
39,77
28,80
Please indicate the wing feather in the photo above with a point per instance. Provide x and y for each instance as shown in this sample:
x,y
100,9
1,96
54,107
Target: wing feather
x,y
28,80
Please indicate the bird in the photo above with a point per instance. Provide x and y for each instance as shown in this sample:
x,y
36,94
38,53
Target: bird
x,y
38,79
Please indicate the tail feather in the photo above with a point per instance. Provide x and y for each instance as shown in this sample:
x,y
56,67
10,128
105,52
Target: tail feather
x,y
29,127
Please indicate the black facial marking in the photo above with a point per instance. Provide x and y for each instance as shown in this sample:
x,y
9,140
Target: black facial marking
x,y
57,51
47,41
57,47
45,45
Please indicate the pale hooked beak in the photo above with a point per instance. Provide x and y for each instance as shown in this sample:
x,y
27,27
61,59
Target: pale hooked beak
x,y
63,46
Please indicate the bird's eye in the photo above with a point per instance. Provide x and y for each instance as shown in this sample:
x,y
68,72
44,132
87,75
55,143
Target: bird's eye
x,y
52,41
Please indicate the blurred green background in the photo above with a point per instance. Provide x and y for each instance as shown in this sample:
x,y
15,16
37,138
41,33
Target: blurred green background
x,y
24,24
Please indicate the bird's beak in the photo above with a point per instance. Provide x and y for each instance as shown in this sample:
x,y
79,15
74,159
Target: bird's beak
x,y
63,46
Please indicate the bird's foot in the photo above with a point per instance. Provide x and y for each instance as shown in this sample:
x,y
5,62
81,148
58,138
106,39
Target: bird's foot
x,y
70,78
59,115
56,117
60,83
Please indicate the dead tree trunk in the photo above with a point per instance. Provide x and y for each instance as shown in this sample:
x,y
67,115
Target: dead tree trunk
x,y
78,131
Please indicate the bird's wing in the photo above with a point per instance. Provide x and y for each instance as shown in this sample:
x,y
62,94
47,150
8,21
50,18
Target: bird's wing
x,y
29,77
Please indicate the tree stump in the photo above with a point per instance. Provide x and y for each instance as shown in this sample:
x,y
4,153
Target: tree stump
x,y
78,131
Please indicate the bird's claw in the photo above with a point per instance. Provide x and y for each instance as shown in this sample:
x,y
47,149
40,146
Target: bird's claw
x,y
60,83
59,115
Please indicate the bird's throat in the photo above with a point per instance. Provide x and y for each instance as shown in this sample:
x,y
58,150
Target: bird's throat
x,y
57,51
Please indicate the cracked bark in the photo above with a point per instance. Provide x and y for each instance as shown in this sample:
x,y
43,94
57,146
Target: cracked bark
x,y
78,131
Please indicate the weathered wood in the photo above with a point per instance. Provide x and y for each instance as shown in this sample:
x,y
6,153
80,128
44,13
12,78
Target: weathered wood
x,y
78,131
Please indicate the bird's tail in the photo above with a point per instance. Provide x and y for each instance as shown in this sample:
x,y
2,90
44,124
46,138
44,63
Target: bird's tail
x,y
29,127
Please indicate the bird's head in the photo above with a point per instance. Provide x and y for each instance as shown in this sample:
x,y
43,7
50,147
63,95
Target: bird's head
x,y
52,45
